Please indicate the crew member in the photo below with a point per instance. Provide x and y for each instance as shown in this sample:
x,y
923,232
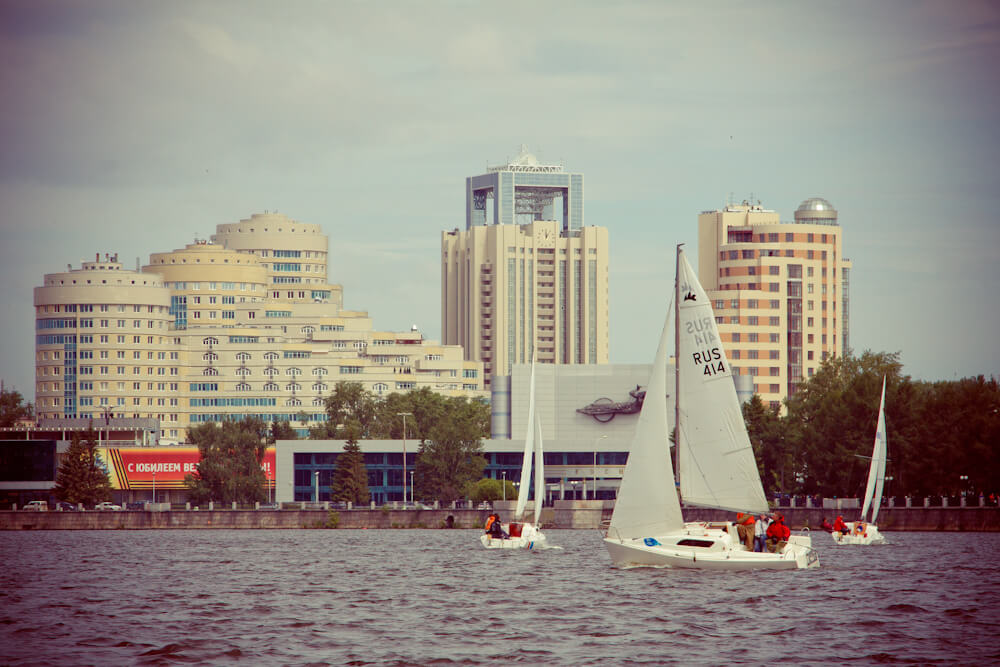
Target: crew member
x,y
826,526
744,528
494,528
840,527
777,534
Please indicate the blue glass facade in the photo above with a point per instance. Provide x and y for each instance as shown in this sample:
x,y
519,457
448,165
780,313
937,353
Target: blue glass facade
x,y
385,472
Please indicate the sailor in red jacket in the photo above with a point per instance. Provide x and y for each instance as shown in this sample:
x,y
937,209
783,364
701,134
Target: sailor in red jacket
x,y
840,527
777,534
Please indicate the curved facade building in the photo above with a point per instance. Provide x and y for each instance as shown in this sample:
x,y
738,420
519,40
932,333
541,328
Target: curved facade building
x,y
104,346
208,282
294,253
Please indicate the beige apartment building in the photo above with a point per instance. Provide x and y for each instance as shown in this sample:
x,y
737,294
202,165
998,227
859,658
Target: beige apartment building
x,y
780,291
518,281
200,335
104,345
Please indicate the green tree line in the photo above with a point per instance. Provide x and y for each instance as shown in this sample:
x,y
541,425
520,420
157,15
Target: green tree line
x,y
938,433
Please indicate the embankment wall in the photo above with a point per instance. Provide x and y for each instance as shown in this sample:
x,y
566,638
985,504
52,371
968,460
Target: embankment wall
x,y
583,515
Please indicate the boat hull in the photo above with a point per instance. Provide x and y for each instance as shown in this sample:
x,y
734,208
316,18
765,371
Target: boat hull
x,y
530,538
869,535
708,550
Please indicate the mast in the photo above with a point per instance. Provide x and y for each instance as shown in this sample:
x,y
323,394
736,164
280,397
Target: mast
x,y
677,366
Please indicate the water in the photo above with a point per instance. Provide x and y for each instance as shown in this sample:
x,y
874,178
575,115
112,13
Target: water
x,y
436,597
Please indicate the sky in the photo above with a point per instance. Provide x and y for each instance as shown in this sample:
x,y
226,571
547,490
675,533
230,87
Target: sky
x,y
137,127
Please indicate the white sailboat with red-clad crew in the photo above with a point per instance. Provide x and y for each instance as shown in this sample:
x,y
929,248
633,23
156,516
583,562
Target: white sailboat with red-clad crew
x,y
716,464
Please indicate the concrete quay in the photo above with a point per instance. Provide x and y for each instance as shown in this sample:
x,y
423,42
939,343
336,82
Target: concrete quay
x,y
569,514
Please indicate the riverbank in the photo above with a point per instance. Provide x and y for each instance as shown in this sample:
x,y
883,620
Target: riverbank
x,y
582,515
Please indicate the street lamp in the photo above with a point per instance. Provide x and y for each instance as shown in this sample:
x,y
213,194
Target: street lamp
x,y
412,499
596,440
316,474
404,415
964,479
154,486
888,484
504,473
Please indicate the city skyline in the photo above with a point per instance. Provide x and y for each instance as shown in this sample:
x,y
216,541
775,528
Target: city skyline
x,y
136,129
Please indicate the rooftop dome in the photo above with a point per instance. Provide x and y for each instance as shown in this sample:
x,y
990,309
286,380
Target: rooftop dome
x,y
815,204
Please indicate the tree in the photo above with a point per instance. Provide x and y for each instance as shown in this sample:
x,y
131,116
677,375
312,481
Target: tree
x,y
831,421
231,458
13,408
449,462
350,400
766,436
82,476
281,430
350,479
488,489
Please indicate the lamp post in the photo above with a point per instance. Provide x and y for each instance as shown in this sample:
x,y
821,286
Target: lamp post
x,y
504,473
412,498
316,475
404,415
154,486
964,480
596,440
888,484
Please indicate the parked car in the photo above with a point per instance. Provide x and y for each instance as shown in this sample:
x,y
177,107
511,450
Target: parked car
x,y
36,506
63,506
107,507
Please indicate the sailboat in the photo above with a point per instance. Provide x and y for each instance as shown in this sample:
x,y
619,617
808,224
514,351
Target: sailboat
x,y
865,531
523,534
716,464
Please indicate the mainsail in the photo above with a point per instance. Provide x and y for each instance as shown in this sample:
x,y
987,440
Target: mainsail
x,y
529,448
539,468
716,463
876,473
647,501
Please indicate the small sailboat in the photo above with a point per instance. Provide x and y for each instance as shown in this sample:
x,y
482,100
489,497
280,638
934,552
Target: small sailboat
x,y
716,464
865,531
522,534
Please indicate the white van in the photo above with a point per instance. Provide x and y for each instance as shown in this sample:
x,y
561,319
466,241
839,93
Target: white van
x,y
37,506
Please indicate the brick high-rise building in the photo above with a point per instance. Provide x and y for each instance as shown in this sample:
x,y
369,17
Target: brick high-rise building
x,y
779,290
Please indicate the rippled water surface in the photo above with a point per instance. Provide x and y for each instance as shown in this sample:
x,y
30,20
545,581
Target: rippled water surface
x,y
402,597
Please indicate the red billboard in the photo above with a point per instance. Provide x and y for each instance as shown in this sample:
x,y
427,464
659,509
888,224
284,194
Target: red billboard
x,y
138,467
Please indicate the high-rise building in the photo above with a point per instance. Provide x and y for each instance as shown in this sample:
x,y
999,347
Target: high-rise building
x,y
779,290
521,282
103,346
200,335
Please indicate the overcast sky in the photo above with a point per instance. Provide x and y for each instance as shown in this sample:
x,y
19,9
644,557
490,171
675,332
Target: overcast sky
x,y
135,127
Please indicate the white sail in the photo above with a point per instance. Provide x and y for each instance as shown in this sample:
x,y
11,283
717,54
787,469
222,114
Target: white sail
x,y
539,469
876,472
647,503
716,463
529,448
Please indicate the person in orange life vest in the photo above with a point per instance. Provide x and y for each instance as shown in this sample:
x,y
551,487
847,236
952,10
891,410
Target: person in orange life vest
x,y
744,528
826,526
840,527
494,528
777,534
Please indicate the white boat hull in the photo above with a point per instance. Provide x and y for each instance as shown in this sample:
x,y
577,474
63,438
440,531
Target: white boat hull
x,y
708,549
869,535
530,538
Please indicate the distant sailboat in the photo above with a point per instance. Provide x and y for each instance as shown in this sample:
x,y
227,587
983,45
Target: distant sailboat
x,y
521,534
864,531
716,464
